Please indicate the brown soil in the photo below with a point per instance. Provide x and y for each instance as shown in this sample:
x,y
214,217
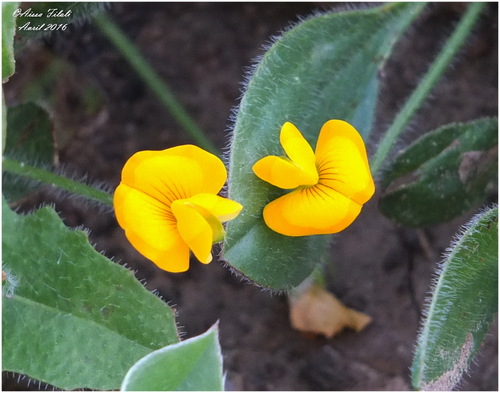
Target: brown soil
x,y
202,50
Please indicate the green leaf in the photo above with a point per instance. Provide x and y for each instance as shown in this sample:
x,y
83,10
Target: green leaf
x,y
64,183
443,174
463,305
29,137
4,123
8,32
324,68
191,365
83,320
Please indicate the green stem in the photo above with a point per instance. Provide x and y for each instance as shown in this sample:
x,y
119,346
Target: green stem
x,y
433,74
44,176
152,80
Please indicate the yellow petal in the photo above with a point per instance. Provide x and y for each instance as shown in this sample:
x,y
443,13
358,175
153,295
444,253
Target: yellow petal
x,y
299,151
176,173
342,161
151,228
215,223
222,208
281,172
195,229
311,211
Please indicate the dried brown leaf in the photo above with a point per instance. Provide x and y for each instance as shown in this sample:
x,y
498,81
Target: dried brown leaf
x,y
318,311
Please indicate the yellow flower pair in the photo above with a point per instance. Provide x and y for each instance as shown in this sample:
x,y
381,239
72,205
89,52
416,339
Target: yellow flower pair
x,y
167,200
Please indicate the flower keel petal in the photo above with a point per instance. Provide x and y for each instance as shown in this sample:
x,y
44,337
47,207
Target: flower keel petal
x,y
222,208
194,229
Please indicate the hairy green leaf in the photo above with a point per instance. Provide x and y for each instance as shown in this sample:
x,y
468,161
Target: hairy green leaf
x,y
4,123
324,68
71,317
191,365
8,33
463,305
443,174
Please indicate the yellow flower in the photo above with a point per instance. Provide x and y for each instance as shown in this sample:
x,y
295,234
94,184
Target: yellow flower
x,y
167,203
329,185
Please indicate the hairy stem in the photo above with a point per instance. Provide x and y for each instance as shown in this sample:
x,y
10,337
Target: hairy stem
x,y
430,79
62,182
153,80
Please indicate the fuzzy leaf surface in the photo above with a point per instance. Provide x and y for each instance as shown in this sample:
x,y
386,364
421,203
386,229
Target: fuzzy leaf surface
x,y
324,68
8,33
82,319
443,174
464,303
191,365
4,123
